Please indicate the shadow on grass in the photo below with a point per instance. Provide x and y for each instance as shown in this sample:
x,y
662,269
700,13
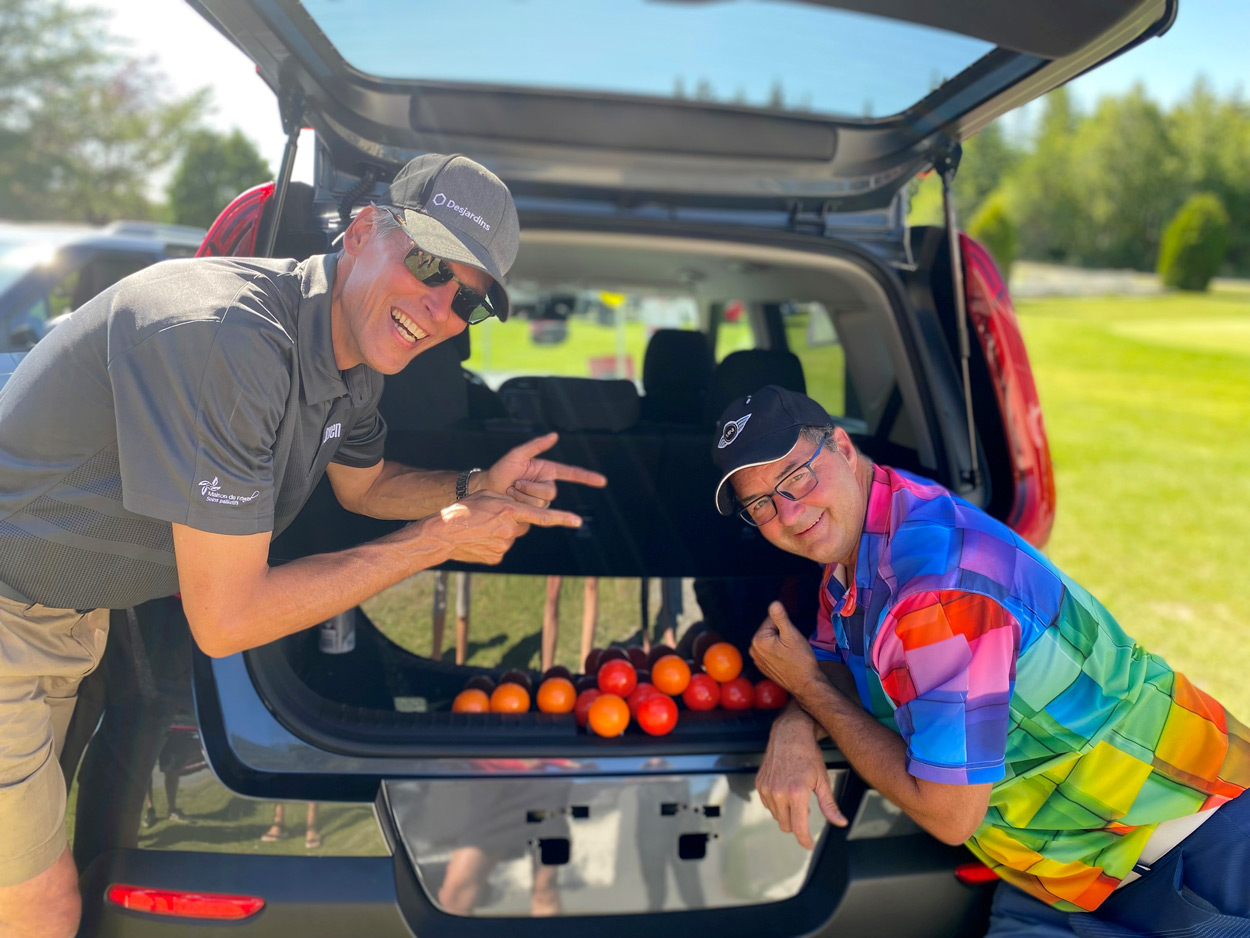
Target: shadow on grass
x,y
522,653
472,648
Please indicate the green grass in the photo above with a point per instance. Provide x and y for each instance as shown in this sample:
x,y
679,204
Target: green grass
x,y
506,614
506,348
1147,407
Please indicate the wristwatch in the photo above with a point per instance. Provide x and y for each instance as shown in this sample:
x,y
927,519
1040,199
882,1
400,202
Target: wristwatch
x,y
462,482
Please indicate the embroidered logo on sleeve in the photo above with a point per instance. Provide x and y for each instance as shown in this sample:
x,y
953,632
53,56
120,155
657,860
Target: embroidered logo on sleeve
x,y
212,493
333,432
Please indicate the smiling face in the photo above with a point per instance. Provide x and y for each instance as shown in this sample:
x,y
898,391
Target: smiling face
x,y
825,525
382,315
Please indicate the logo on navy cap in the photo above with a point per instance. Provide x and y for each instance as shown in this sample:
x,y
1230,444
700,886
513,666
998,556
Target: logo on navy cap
x,y
731,431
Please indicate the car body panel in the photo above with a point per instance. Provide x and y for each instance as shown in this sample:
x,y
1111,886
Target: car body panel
x,y
79,261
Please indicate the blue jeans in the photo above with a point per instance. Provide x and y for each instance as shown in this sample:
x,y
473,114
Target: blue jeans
x,y
1198,889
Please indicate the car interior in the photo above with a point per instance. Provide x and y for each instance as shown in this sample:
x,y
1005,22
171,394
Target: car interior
x,y
673,330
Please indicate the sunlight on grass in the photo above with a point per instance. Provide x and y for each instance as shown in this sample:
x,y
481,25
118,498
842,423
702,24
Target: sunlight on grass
x,y
1147,404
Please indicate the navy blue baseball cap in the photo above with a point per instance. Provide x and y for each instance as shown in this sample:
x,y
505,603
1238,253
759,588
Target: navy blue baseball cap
x,y
758,429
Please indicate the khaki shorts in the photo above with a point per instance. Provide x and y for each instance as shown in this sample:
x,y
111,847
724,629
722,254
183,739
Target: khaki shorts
x,y
44,654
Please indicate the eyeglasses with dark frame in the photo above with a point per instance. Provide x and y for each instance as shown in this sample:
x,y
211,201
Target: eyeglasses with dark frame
x,y
434,271
793,487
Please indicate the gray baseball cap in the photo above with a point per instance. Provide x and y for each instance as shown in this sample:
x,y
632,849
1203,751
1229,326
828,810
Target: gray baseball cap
x,y
458,209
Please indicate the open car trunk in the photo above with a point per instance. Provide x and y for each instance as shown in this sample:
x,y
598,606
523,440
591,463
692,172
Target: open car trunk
x,y
817,317
630,301
605,817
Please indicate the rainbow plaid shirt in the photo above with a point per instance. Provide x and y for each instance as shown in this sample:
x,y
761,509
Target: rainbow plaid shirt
x,y
995,667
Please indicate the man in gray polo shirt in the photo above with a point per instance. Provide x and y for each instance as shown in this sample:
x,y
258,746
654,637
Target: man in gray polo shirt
x,y
158,440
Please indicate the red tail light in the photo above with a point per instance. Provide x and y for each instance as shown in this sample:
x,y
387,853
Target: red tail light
x,y
974,874
233,234
184,904
994,318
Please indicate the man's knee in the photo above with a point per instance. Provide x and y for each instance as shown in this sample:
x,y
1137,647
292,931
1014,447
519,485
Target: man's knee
x,y
47,905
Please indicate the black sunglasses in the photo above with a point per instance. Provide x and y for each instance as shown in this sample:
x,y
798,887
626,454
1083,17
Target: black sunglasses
x,y
433,271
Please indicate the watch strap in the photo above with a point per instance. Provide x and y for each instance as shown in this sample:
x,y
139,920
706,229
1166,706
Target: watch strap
x,y
462,482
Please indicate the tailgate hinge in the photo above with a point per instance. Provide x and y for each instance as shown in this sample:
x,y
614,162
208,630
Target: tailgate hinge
x,y
810,220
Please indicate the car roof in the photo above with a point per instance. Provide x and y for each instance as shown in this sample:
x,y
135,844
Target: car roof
x,y
132,235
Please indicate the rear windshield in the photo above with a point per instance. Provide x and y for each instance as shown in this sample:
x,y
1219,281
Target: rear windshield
x,y
768,54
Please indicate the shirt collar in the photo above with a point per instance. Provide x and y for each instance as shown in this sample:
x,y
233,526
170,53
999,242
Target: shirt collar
x,y
876,523
319,373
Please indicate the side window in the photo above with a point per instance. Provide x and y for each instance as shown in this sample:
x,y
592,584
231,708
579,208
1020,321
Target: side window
x,y
77,286
733,331
100,273
810,334
583,334
180,250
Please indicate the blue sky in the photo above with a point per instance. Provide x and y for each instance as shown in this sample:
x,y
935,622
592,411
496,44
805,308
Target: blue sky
x,y
1210,37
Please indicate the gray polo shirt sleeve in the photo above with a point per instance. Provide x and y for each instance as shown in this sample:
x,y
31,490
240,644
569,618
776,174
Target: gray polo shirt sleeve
x,y
363,444
198,406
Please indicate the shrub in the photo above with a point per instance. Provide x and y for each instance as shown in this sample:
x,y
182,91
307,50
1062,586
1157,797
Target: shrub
x,y
1195,243
992,226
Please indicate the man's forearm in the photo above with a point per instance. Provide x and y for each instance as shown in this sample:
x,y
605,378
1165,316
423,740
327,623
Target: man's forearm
x,y
880,757
304,592
402,493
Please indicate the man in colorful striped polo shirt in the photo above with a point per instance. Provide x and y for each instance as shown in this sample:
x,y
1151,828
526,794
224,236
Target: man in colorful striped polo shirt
x,y
986,694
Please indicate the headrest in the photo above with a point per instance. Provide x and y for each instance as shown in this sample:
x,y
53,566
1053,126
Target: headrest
x,y
573,403
676,360
462,345
430,394
746,371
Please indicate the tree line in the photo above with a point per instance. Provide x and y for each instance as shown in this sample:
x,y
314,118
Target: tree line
x,y
1099,188
85,128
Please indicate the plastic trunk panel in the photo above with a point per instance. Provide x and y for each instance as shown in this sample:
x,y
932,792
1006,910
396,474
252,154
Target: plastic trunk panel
x,y
596,846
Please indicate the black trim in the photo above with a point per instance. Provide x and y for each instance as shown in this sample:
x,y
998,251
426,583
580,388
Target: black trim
x,y
237,776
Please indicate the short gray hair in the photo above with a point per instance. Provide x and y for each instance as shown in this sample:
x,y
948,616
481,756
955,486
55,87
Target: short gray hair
x,y
814,434
386,219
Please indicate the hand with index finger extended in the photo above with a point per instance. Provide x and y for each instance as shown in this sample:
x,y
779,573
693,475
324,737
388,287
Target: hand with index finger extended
x,y
522,475
482,527
792,771
546,517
